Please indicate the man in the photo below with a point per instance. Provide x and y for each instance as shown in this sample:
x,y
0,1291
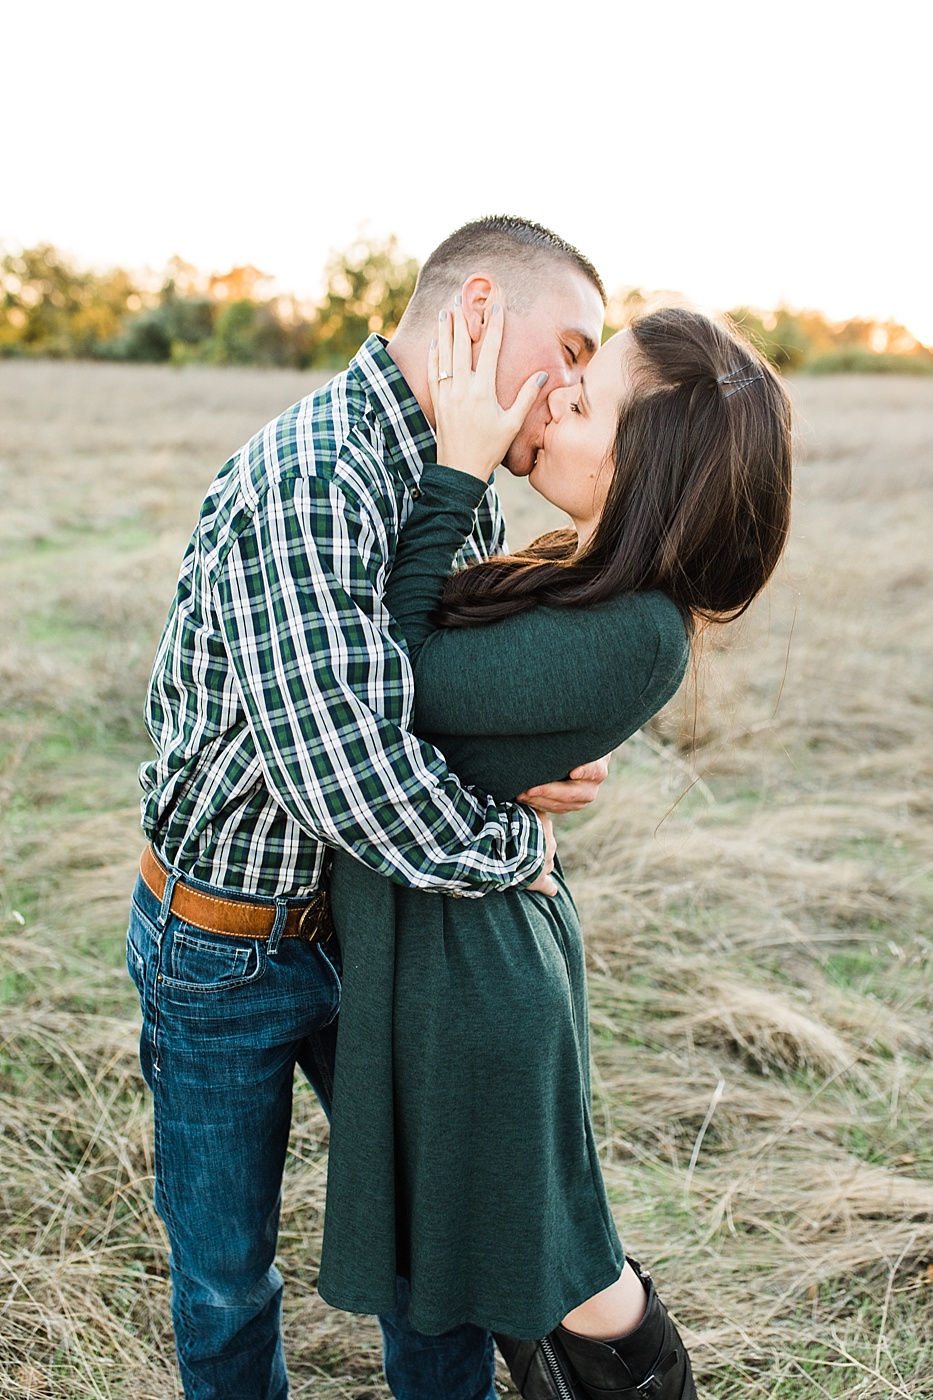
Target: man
x,y
280,708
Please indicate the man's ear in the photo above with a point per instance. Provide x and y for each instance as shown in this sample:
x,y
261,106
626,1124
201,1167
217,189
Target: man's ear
x,y
479,294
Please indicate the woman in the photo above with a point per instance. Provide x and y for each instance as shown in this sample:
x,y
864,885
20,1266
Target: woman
x,y
462,1151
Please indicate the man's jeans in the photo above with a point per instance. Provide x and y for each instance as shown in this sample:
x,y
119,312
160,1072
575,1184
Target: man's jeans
x,y
225,1021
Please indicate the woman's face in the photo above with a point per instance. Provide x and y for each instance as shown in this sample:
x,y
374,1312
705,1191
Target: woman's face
x,y
573,468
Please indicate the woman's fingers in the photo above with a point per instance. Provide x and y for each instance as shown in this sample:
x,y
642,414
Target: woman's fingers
x,y
439,359
473,430
524,401
487,366
432,374
463,346
488,360
445,347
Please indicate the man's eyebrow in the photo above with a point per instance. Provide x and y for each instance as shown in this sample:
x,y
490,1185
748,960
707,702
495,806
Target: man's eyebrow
x,y
585,339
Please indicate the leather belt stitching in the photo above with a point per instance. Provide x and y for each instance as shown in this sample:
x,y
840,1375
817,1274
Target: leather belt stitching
x,y
317,905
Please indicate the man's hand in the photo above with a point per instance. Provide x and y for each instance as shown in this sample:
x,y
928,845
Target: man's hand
x,y
572,793
545,883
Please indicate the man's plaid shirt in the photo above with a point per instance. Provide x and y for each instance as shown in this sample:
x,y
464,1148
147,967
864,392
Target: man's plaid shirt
x,y
281,695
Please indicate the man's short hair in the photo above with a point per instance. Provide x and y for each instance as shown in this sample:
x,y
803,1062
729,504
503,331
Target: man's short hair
x,y
516,250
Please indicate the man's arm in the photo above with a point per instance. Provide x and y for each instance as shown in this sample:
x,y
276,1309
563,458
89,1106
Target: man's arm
x,y
326,691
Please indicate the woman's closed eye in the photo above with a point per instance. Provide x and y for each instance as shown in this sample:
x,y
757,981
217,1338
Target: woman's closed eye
x,y
575,407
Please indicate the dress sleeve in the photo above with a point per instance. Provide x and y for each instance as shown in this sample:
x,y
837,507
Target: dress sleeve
x,y
545,671
441,520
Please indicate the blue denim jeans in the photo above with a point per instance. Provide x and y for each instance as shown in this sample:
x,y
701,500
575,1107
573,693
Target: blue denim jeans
x,y
225,1022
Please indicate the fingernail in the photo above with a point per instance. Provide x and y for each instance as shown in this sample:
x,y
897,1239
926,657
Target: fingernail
x,y
542,377
458,299
443,316
496,308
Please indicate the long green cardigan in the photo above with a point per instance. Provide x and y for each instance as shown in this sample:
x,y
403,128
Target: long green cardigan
x,y
462,1153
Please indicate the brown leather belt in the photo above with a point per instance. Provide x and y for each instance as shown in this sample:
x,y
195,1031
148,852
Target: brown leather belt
x,y
235,918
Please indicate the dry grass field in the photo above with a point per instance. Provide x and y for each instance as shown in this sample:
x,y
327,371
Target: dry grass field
x,y
756,883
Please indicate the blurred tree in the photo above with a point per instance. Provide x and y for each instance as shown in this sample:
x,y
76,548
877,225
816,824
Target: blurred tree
x,y
239,284
858,359
624,306
807,340
164,331
181,315
255,333
48,307
779,335
629,302
246,334
368,287
184,278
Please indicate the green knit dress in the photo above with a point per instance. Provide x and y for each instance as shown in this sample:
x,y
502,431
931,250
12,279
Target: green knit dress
x,y
462,1153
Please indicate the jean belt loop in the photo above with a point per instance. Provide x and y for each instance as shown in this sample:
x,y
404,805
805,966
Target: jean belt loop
x,y
278,928
165,907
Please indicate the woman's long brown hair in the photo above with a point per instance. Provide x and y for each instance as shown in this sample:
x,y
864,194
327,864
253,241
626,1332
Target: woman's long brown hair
x,y
699,504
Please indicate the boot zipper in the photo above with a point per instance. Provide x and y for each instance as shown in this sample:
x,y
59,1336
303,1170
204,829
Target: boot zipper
x,y
557,1376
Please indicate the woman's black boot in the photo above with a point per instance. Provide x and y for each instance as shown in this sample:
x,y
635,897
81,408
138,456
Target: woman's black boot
x,y
650,1363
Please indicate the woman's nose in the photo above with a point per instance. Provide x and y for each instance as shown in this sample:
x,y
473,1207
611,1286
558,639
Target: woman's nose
x,y
557,401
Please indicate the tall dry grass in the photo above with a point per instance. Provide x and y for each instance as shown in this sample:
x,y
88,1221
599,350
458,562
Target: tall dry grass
x,y
756,885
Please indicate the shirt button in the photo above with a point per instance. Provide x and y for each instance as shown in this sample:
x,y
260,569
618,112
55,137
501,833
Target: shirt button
x,y
416,493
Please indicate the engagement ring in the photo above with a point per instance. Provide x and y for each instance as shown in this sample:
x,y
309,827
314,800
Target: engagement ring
x,y
444,374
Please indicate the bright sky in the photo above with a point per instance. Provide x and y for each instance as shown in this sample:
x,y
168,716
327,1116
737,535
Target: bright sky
x,y
736,152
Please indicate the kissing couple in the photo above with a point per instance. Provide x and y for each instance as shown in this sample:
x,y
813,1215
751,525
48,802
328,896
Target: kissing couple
x,y
365,712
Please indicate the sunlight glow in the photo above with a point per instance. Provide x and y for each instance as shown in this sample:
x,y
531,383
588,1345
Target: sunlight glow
x,y
725,165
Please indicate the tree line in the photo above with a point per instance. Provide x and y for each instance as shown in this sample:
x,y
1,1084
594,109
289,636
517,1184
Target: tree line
x,y
50,307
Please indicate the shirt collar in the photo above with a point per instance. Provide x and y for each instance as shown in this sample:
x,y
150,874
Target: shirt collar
x,y
410,439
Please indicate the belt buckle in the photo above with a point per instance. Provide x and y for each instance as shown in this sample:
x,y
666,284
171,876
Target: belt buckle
x,y
312,936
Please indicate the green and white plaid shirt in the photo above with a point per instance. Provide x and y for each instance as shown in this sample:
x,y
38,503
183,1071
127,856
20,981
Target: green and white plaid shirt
x,y
281,696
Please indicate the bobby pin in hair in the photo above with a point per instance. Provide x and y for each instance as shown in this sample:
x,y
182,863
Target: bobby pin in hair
x,y
734,382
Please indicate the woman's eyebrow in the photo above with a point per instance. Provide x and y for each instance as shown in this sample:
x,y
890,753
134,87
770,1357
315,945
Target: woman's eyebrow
x,y
583,394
